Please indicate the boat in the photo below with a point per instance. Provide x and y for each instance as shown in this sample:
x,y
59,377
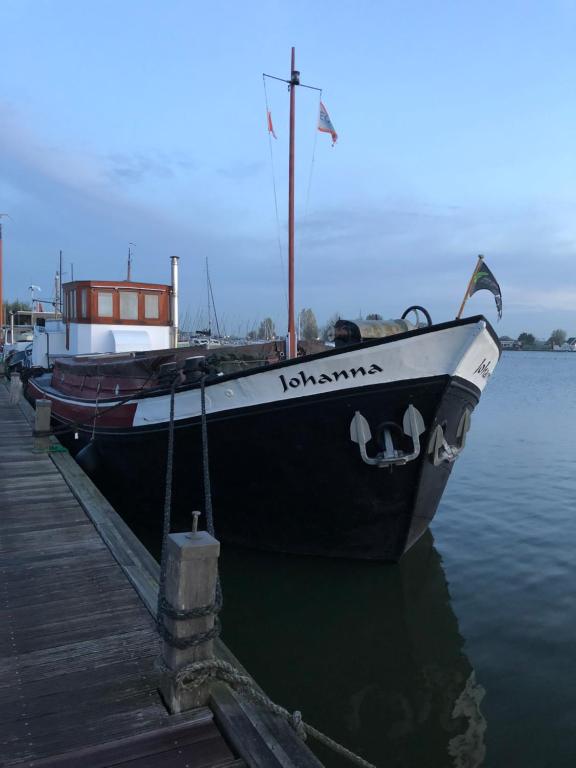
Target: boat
x,y
340,450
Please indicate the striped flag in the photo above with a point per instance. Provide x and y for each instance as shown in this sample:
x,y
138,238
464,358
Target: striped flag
x,y
325,124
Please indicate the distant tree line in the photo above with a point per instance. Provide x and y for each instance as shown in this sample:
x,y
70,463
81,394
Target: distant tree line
x,y
15,306
556,339
307,326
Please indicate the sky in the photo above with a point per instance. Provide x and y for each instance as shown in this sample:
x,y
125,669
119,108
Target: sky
x,y
145,121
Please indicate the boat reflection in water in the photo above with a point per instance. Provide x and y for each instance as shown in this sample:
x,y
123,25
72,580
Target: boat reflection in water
x,y
372,655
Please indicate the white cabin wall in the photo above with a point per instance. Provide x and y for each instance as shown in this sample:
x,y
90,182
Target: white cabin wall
x,y
48,340
85,339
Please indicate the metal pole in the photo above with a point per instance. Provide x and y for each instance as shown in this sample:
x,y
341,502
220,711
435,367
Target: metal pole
x,y
209,327
129,275
60,299
1,294
466,295
174,301
294,81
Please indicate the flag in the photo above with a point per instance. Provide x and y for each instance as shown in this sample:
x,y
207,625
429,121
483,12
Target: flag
x,y
484,280
270,126
325,124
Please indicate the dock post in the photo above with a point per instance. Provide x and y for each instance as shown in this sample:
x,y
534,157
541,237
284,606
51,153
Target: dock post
x,y
190,582
15,389
42,424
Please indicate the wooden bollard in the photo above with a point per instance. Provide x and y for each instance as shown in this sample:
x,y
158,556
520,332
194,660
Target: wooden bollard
x,y
42,424
15,389
190,582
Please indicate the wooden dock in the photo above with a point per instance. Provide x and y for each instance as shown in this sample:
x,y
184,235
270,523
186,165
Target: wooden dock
x,y
78,644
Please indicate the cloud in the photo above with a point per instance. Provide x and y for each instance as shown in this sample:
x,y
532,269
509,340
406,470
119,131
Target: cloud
x,y
556,299
241,171
382,255
137,166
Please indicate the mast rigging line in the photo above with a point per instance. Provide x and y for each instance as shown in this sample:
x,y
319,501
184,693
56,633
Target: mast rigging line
x,y
312,162
211,296
280,252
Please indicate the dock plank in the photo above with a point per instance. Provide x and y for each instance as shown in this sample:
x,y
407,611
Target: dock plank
x,y
78,683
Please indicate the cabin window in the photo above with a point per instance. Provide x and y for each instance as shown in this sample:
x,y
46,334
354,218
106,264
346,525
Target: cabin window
x,y
72,305
105,304
84,303
128,305
151,306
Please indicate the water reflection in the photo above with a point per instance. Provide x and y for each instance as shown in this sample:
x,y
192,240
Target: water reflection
x,y
371,654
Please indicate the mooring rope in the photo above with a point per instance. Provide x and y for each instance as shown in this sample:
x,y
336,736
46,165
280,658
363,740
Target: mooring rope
x,y
164,608
75,425
167,506
199,673
205,461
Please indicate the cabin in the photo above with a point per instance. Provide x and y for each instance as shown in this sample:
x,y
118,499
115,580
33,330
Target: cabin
x,y
107,317
19,333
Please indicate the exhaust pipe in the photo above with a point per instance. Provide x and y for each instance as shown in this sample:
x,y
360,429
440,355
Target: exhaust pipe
x,y
174,300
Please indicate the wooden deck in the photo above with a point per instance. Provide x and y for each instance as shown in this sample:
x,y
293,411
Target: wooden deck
x,y
77,645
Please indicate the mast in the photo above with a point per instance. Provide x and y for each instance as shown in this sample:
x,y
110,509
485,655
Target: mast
x,y
292,349
60,297
209,329
294,80
129,271
2,314
1,296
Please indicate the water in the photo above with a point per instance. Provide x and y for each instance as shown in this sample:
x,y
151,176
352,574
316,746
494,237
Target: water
x,y
462,655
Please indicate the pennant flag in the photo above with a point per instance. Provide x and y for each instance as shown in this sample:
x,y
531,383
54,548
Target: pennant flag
x,y
270,126
484,280
325,124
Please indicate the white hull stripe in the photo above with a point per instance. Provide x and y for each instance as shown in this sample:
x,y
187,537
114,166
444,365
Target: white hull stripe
x,y
467,351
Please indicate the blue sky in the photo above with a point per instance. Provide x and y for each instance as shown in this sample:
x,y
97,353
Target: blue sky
x,y
144,121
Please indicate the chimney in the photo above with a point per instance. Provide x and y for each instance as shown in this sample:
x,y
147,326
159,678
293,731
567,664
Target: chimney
x,y
174,301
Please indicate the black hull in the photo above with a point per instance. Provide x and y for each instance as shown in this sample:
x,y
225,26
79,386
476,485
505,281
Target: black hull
x,y
286,476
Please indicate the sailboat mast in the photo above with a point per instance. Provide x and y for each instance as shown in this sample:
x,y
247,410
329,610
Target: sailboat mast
x,y
208,299
1,296
60,295
129,270
294,80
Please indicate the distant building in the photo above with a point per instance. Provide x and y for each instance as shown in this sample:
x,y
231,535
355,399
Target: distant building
x,y
506,342
568,346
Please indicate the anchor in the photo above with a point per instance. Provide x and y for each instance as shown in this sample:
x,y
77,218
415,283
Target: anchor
x,y
413,426
439,449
